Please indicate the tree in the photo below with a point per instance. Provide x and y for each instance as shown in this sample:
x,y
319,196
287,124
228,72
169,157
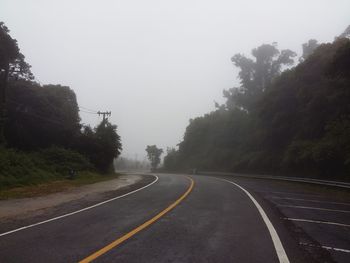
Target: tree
x,y
40,116
308,49
154,154
170,160
256,74
108,145
11,59
12,65
346,33
299,123
47,116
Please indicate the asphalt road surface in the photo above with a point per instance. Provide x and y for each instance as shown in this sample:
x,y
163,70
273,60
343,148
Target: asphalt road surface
x,y
178,218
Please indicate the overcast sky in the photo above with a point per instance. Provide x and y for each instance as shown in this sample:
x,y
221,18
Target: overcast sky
x,y
156,63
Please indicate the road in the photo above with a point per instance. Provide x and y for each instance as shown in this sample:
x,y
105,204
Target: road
x,y
178,218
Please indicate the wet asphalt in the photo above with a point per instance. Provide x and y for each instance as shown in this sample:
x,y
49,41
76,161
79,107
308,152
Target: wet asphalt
x,y
216,222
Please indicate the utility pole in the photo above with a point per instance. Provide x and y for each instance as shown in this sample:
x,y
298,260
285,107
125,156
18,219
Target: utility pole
x,y
104,114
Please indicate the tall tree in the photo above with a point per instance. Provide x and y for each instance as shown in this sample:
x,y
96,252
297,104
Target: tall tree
x,y
256,74
170,160
109,146
153,154
308,49
12,65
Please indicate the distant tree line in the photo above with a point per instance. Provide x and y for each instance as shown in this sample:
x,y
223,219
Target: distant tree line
x,y
130,164
34,117
296,121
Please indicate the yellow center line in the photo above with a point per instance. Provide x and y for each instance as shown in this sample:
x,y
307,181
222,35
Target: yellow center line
x,y
137,229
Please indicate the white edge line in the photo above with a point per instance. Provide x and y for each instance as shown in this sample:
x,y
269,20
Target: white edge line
x,y
337,249
80,210
281,253
327,247
337,184
315,221
315,208
309,200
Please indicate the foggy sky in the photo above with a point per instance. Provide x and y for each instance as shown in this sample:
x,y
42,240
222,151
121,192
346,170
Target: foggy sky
x,y
155,64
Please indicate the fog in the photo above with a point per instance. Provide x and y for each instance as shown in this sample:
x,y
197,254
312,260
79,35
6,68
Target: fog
x,y
156,64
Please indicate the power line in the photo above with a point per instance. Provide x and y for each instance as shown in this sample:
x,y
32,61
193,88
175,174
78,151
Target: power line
x,y
87,109
57,122
81,109
89,112
33,114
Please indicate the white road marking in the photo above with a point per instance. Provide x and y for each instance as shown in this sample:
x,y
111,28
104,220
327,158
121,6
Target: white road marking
x,y
307,200
316,222
290,193
80,210
313,181
281,253
327,247
315,208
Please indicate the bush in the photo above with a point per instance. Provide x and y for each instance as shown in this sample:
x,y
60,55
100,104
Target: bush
x,y
20,168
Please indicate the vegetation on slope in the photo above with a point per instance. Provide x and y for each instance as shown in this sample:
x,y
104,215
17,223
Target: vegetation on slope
x,y
297,121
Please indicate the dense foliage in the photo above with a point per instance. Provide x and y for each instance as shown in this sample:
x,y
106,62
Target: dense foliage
x,y
295,122
20,168
40,116
40,131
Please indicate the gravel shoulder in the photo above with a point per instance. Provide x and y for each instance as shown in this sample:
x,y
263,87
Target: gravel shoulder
x,y
24,207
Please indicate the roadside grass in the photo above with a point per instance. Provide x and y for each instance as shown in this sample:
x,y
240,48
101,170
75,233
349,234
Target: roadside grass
x,y
55,186
51,170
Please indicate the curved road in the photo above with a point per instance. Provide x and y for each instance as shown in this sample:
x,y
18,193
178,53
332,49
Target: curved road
x,y
176,219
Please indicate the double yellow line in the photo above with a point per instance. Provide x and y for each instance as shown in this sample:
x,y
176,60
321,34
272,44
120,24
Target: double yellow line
x,y
137,229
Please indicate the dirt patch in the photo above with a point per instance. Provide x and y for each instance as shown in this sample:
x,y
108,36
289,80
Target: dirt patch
x,y
19,207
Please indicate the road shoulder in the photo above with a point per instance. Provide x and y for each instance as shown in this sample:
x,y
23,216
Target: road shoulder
x,y
17,212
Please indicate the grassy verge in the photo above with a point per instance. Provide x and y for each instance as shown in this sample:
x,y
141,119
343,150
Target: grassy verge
x,y
55,186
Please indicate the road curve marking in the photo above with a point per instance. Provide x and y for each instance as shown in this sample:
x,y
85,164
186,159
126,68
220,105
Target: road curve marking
x,y
80,210
139,228
310,200
315,208
281,253
327,247
316,221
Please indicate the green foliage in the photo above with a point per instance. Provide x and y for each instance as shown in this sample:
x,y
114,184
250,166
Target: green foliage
x,y
109,146
11,59
41,116
19,168
63,160
171,159
100,145
154,154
